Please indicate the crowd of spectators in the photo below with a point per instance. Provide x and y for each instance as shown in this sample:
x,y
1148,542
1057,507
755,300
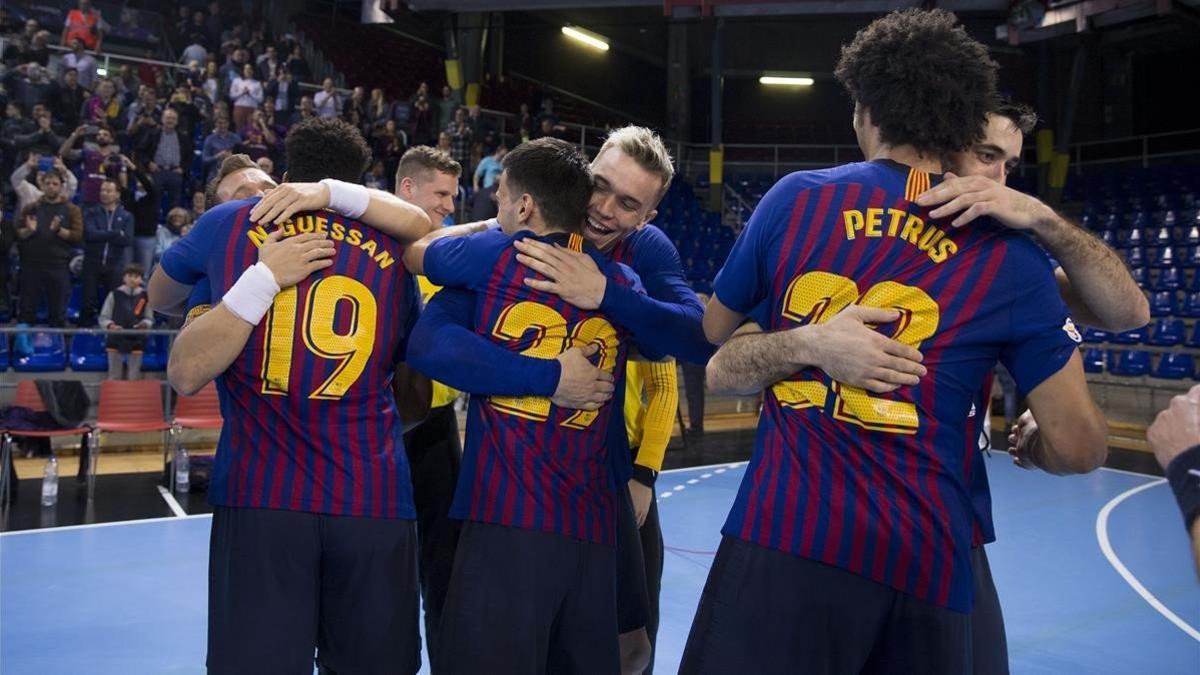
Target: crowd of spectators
x,y
131,149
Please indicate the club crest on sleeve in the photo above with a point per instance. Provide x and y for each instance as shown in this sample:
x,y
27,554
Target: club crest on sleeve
x,y
1071,331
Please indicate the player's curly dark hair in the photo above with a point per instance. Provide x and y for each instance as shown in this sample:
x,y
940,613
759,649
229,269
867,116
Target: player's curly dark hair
x,y
556,175
325,147
925,82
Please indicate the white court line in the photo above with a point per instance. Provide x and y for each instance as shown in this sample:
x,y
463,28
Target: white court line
x,y
704,466
171,502
91,526
1107,549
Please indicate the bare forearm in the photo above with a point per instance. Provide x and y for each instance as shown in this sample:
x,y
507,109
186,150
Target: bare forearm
x,y
1097,287
396,218
205,348
751,362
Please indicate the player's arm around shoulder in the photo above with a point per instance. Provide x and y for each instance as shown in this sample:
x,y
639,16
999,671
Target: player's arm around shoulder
x,y
415,254
391,215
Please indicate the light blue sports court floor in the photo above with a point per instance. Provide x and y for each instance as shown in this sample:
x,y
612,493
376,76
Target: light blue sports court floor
x,y
1094,573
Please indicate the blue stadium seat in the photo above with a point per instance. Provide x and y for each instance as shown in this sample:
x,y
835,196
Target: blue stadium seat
x,y
1129,364
1093,360
4,352
1096,336
1129,238
1191,235
1130,337
1169,279
1135,256
47,354
1191,257
1163,303
1175,367
1113,221
1141,276
1139,220
1108,236
1163,256
1160,236
154,360
1191,306
1166,333
87,353
75,302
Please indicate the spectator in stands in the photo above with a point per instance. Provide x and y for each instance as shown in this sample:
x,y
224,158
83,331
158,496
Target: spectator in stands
x,y
390,144
195,51
28,193
67,99
14,124
258,138
443,143
126,307
47,232
99,160
234,67
489,168
107,233
104,107
197,205
482,131
307,110
42,140
421,121
212,82
214,25
39,49
86,25
31,85
447,107
179,221
218,145
183,103
32,27
546,129
164,151
143,113
379,111
268,64
354,110
143,199
461,139
284,93
376,178
197,26
327,101
181,28
421,92
525,123
247,94
128,81
82,62
14,52
268,167
297,66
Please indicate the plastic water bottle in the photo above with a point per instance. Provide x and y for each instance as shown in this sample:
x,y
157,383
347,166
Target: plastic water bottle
x,y
181,469
50,482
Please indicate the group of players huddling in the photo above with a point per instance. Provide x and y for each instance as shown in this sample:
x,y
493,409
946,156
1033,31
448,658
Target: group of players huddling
x,y
870,301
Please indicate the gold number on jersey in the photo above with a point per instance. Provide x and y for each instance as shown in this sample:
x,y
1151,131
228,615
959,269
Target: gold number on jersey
x,y
550,340
352,350
818,297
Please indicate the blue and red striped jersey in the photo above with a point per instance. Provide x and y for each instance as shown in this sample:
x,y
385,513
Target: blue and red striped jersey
x,y
878,484
526,462
310,419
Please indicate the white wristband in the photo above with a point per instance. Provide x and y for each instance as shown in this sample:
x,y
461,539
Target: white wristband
x,y
348,199
252,295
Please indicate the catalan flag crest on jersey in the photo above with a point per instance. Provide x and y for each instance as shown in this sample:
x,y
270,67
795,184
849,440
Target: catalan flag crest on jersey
x,y
879,484
310,419
527,462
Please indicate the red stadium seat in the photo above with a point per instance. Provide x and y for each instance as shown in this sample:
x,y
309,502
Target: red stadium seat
x,y
29,397
127,407
201,410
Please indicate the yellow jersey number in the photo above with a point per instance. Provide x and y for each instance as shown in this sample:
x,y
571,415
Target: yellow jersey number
x,y
818,297
351,350
551,339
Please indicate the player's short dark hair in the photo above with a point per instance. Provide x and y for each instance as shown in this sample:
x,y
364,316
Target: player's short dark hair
x,y
325,147
556,175
925,82
230,164
422,158
1022,116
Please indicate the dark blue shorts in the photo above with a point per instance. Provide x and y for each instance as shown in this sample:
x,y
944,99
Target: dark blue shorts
x,y
528,602
283,584
633,600
767,611
988,641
